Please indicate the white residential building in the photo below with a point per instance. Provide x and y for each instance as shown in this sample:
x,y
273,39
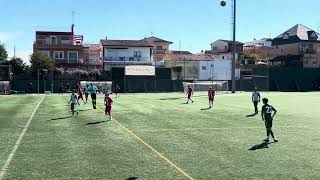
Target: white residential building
x,y
223,49
218,70
267,42
202,67
120,53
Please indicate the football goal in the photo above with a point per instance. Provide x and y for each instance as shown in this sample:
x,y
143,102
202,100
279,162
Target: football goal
x,y
203,86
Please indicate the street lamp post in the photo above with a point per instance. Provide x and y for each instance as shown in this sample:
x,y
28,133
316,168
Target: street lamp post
x,y
45,71
211,74
38,73
233,64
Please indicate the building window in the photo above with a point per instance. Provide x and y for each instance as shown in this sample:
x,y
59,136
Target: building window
x,y
159,48
204,68
225,47
222,57
137,54
58,55
314,62
72,56
285,36
313,35
53,40
46,53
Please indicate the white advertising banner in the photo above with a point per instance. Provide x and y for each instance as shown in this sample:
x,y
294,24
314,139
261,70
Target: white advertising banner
x,y
140,70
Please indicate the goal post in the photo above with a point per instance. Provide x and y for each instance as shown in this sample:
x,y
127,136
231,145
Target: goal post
x,y
220,87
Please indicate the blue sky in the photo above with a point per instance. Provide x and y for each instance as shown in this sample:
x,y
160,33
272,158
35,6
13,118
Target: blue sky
x,y
196,23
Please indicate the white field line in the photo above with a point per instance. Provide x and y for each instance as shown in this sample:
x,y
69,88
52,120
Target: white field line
x,y
220,129
15,147
152,149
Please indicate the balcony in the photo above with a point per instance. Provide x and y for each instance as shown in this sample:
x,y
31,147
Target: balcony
x,y
127,60
60,44
162,51
308,51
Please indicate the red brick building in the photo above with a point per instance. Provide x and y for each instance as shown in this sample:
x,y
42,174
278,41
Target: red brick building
x,y
65,48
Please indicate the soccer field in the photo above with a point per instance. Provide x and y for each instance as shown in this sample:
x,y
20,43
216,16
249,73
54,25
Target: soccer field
x,y
158,136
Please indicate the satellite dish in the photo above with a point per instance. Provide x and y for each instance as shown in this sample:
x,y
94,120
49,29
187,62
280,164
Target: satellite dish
x,y
223,3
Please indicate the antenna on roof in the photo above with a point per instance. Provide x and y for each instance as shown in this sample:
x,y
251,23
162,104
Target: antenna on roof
x,y
151,34
72,26
14,52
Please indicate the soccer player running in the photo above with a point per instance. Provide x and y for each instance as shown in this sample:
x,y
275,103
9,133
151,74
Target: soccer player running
x,y
80,94
108,103
30,88
255,100
61,89
117,90
93,91
86,92
189,93
74,101
211,94
268,112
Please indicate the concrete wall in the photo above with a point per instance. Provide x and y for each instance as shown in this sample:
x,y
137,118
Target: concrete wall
x,y
201,70
189,69
310,52
216,70
282,50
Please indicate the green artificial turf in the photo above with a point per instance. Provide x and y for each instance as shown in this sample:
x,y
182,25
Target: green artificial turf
x,y
206,144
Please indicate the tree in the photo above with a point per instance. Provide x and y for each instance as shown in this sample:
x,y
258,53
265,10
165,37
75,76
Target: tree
x,y
3,53
41,61
17,64
249,57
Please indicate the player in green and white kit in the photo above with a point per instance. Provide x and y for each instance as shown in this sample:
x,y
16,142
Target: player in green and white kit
x,y
74,102
267,114
255,100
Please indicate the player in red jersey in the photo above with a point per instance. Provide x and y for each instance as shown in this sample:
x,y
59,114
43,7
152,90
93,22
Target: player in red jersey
x,y
211,94
80,94
117,90
189,93
108,103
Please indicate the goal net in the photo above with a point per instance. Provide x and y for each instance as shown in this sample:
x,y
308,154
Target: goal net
x,y
103,86
203,86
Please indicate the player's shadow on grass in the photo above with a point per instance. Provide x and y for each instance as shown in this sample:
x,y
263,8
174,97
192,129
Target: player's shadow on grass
x,y
98,122
132,178
252,115
164,99
81,110
61,118
176,98
263,145
205,109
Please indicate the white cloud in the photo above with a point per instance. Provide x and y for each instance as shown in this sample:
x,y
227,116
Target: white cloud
x,y
6,36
